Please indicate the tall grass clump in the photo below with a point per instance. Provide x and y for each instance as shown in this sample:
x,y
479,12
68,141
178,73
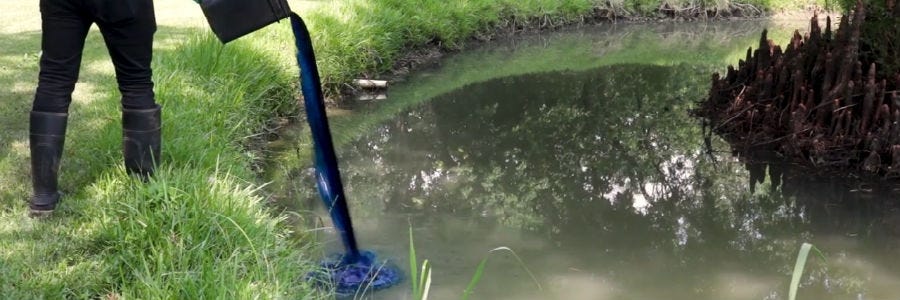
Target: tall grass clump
x,y
172,238
199,228
225,95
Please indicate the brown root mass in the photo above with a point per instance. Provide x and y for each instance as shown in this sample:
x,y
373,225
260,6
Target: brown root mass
x,y
815,103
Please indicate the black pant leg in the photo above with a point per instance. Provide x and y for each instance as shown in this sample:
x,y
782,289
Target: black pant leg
x,y
65,25
130,45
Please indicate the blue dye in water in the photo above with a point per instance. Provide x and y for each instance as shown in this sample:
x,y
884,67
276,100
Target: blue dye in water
x,y
354,270
364,274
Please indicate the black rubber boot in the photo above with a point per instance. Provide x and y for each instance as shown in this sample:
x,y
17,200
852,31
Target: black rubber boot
x,y
141,140
47,135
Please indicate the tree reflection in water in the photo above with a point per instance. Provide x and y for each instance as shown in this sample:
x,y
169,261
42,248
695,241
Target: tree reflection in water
x,y
608,166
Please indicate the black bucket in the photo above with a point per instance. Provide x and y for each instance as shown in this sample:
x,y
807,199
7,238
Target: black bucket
x,y
231,19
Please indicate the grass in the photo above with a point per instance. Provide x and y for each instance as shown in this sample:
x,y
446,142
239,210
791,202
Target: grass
x,y
420,284
799,266
360,37
479,271
421,281
199,229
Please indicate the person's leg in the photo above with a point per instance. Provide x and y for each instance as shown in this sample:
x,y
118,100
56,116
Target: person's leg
x,y
65,27
130,44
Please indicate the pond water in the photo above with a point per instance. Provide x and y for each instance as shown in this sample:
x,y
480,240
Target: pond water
x,y
585,161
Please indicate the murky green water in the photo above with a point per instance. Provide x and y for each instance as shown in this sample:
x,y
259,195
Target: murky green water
x,y
597,177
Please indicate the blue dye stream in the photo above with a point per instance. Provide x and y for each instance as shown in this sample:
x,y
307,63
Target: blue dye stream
x,y
354,270
328,177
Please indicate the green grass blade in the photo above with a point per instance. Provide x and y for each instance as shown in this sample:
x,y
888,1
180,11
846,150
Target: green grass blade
x,y
479,271
424,281
821,255
412,264
475,278
426,286
798,269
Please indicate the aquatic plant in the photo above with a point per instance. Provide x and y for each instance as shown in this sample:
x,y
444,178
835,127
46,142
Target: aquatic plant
x,y
421,281
819,102
421,285
799,266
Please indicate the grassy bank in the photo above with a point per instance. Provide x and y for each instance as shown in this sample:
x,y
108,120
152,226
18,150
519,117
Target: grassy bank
x,y
359,37
200,228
